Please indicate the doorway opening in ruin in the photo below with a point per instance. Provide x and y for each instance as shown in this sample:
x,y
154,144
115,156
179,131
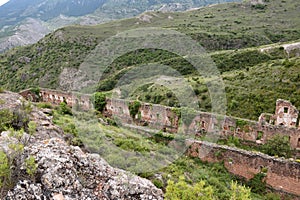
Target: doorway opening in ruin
x,y
286,109
157,115
260,135
121,110
30,98
203,124
64,100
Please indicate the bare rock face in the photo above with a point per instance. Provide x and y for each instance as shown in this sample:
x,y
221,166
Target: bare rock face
x,y
10,100
66,172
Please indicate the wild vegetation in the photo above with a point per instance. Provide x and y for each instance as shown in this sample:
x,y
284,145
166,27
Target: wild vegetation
x,y
11,168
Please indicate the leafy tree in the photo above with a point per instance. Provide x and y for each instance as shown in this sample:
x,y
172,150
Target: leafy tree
x,y
278,146
134,108
64,109
239,192
183,191
258,183
99,99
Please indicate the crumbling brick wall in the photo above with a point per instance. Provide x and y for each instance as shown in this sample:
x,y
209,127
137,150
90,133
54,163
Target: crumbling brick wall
x,y
282,174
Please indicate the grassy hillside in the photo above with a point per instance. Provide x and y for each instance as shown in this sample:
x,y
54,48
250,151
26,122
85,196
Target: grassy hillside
x,y
232,33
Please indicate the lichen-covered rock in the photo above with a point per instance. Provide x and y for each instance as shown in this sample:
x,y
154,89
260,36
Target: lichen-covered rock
x,y
66,172
45,128
10,100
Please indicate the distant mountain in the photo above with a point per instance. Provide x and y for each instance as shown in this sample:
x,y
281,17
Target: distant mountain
x,y
26,21
17,10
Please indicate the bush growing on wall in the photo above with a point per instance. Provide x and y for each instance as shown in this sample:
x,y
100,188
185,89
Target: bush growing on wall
x,y
134,108
278,146
36,92
99,100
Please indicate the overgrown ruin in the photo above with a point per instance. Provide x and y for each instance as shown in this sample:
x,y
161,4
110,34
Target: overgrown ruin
x,y
281,174
284,121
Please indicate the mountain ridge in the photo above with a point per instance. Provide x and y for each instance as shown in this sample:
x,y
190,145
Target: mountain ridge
x,y
50,15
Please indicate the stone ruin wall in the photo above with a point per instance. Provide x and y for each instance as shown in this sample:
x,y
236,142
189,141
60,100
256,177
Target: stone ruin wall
x,y
155,116
166,119
56,97
282,175
246,130
285,114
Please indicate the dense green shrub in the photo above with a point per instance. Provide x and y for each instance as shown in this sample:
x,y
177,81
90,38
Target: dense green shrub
x,y
187,115
258,183
130,144
239,59
164,138
259,6
99,100
183,191
36,92
4,169
6,119
278,145
31,166
44,105
64,109
77,142
201,191
32,128
134,108
238,192
158,183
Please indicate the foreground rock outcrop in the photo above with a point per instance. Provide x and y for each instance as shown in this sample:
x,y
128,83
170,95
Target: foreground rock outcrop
x,y
66,172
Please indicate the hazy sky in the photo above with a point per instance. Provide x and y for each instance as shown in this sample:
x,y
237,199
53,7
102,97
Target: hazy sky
x,y
3,2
